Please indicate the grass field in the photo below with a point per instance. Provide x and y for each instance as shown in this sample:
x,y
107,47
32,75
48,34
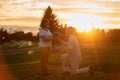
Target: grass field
x,y
103,57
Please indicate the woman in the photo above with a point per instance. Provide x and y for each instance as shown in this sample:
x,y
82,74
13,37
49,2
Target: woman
x,y
70,61
45,45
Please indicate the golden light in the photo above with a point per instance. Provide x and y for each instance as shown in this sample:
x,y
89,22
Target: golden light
x,y
82,22
30,52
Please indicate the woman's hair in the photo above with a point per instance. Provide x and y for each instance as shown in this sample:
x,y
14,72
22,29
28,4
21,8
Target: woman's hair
x,y
43,23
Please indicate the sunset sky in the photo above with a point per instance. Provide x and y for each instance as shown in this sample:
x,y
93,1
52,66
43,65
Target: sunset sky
x,y
82,14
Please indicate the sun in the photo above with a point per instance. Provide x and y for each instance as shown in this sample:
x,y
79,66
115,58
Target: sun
x,y
84,22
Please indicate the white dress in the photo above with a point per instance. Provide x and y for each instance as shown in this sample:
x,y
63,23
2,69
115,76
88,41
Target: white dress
x,y
46,33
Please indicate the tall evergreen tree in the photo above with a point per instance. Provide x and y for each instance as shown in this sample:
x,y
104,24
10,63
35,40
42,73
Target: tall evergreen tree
x,y
52,18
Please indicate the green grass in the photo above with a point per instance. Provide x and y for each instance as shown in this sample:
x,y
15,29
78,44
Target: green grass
x,y
13,46
21,58
103,57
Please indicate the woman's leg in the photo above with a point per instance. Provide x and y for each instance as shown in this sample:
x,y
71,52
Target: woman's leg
x,y
48,51
45,51
42,59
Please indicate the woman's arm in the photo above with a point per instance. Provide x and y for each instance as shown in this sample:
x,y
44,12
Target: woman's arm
x,y
46,38
43,36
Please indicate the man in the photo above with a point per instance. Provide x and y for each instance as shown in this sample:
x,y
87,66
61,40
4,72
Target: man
x,y
70,61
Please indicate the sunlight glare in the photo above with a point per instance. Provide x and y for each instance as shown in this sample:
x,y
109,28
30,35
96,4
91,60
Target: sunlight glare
x,y
83,22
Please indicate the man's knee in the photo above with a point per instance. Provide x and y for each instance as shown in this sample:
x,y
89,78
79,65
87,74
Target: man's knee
x,y
63,57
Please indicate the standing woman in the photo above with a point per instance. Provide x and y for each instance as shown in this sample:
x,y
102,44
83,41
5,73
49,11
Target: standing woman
x,y
45,45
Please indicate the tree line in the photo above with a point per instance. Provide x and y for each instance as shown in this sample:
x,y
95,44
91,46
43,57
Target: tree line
x,y
18,35
100,36
95,35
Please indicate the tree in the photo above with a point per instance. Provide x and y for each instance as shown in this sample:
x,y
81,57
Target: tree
x,y
52,18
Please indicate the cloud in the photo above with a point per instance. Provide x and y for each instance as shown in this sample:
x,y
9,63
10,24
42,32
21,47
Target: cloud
x,y
114,5
32,10
20,19
109,15
114,22
71,10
